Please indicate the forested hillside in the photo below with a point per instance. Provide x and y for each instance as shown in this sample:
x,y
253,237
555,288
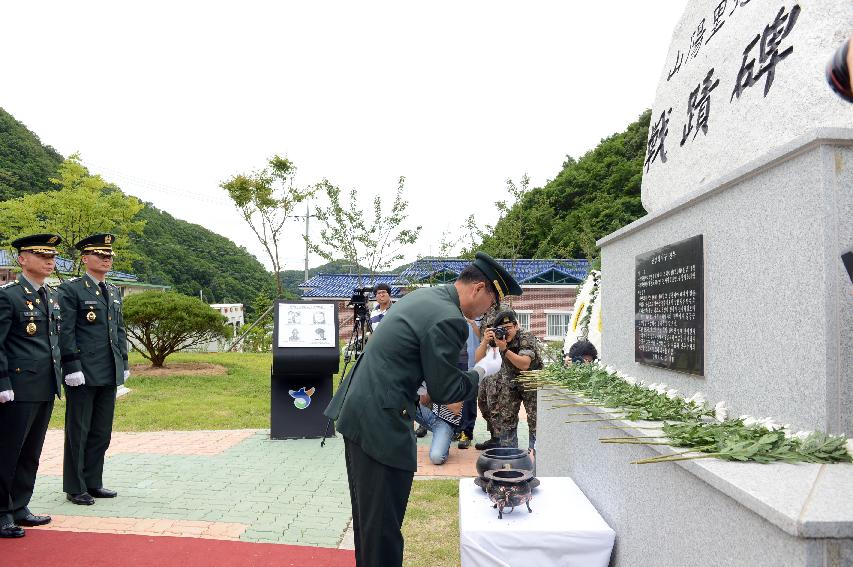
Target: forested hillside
x,y
590,198
25,163
190,258
173,252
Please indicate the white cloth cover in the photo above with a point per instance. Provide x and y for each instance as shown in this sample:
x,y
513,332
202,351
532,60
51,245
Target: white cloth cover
x,y
564,529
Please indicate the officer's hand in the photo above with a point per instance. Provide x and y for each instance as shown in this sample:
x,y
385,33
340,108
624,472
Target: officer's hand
x,y
126,375
501,344
7,396
491,363
75,379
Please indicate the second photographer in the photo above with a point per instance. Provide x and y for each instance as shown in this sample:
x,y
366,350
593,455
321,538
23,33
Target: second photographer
x,y
520,352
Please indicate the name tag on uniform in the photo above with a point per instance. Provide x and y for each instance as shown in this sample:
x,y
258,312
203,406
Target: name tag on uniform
x,y
91,302
30,313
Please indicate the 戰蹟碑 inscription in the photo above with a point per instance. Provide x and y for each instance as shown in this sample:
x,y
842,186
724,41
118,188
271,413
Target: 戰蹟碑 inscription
x,y
741,77
669,307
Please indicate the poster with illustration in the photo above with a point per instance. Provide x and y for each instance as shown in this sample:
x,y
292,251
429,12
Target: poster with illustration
x,y
306,325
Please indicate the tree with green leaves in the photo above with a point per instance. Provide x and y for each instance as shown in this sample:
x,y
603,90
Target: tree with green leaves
x,y
376,241
266,199
83,205
160,323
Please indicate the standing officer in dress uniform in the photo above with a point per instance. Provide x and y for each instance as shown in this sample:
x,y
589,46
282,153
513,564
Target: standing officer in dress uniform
x,y
374,406
94,360
29,378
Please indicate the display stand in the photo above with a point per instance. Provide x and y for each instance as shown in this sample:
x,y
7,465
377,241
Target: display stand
x,y
305,357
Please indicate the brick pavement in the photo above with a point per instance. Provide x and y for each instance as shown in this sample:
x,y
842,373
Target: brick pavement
x,y
224,485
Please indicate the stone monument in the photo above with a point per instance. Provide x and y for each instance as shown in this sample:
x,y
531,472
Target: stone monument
x,y
733,285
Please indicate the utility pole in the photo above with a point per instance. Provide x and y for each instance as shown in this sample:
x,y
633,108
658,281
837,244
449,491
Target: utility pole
x,y
307,216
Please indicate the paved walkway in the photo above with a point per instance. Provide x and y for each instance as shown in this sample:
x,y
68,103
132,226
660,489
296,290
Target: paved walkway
x,y
224,485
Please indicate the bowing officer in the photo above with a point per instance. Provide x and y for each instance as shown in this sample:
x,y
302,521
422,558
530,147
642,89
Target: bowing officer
x,y
94,361
29,378
374,406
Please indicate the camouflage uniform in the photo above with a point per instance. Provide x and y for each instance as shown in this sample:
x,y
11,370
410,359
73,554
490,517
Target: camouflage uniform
x,y
505,394
488,387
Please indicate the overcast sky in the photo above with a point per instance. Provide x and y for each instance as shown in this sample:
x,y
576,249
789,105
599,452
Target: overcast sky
x,y
169,99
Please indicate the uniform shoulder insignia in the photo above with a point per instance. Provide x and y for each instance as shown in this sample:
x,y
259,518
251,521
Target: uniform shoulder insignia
x,y
10,284
74,279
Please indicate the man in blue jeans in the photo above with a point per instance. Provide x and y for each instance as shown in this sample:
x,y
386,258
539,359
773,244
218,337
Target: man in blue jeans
x,y
442,421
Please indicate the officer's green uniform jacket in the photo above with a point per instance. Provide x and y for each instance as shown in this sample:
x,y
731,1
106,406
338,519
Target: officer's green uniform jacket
x,y
419,339
29,342
93,338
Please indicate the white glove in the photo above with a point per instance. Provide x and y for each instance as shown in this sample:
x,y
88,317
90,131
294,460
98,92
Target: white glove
x,y
126,375
491,363
75,379
7,396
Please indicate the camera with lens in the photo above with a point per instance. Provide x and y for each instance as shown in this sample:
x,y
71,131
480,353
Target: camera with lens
x,y
501,333
359,296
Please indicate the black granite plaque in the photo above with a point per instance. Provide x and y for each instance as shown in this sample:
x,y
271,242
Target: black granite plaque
x,y
669,304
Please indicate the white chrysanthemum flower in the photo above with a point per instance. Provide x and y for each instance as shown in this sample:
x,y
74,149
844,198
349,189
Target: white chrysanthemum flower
x,y
672,393
628,379
749,421
582,301
610,369
769,424
721,412
696,399
596,325
661,388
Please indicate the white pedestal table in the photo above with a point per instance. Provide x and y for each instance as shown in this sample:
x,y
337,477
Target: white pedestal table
x,y
564,529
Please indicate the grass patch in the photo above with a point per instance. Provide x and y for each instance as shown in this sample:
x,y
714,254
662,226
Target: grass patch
x,y
239,399
431,526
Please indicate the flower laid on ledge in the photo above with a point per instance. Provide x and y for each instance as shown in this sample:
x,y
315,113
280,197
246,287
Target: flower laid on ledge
x,y
689,423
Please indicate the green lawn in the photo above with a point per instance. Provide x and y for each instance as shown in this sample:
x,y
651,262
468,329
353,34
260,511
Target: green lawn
x,y
431,526
238,400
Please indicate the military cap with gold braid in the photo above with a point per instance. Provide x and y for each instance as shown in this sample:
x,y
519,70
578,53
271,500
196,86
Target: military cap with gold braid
x,y
38,243
101,244
500,278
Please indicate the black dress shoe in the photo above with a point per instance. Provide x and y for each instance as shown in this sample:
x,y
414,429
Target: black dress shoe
x,y
11,530
32,520
103,493
84,499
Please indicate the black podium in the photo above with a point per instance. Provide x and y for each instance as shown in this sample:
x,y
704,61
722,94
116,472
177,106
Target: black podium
x,y
305,355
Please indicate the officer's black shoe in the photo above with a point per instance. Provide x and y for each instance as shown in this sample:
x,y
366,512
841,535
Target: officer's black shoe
x,y
421,431
84,499
464,441
32,520
103,492
490,444
11,530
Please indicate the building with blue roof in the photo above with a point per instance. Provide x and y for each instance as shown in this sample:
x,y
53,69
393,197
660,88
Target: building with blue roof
x,y
549,288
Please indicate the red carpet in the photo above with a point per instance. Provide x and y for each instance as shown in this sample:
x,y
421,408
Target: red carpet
x,y
50,548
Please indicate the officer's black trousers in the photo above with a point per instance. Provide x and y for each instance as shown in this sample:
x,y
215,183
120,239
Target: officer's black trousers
x,y
88,429
379,495
22,429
